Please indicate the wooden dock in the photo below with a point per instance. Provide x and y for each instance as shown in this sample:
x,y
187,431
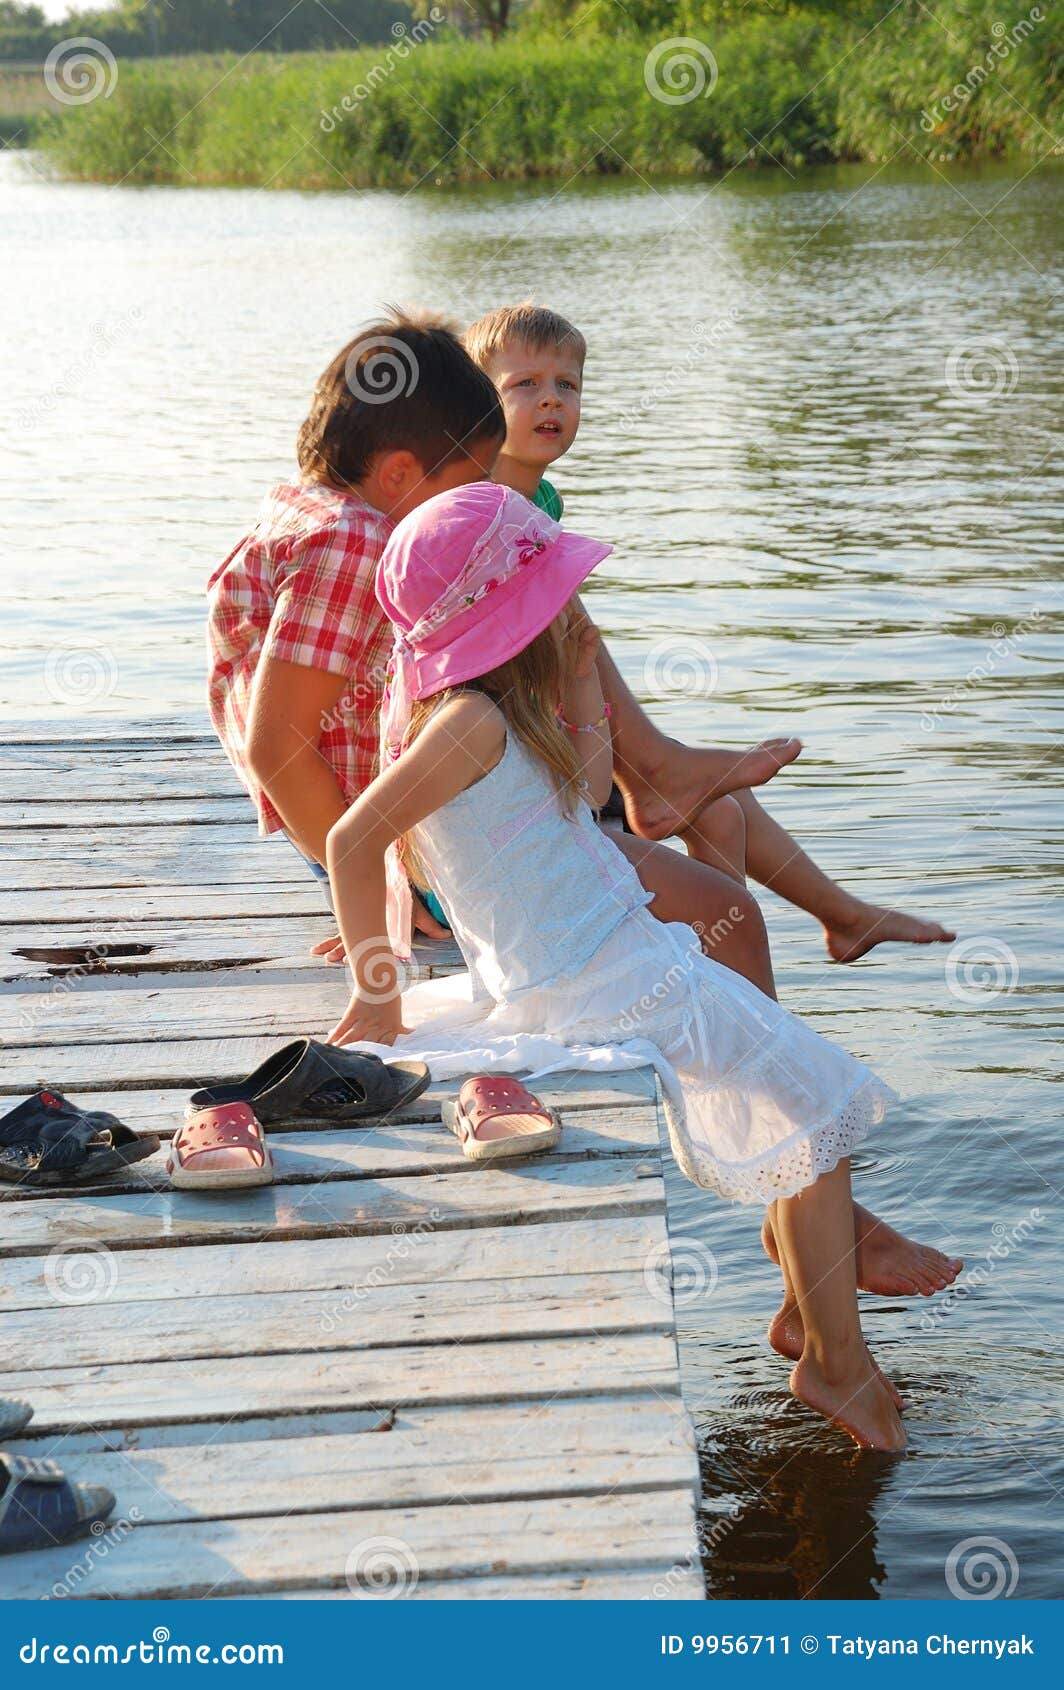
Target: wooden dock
x,y
390,1373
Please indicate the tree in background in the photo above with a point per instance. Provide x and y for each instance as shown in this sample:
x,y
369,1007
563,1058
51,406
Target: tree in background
x,y
142,28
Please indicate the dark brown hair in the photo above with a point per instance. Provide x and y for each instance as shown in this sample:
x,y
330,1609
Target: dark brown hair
x,y
405,383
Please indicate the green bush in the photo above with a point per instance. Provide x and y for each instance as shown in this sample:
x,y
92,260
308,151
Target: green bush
x,y
809,83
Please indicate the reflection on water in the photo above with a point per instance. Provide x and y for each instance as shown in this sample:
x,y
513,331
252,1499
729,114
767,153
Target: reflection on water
x,y
789,1521
822,427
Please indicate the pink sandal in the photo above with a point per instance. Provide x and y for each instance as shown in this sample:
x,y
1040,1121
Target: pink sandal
x,y
231,1137
495,1116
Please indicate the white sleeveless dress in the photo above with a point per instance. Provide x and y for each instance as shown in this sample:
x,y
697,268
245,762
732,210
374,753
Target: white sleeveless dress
x,y
565,962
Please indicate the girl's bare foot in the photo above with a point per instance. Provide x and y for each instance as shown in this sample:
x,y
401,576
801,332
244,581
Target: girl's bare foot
x,y
870,925
888,1263
786,1334
892,1265
854,1398
662,800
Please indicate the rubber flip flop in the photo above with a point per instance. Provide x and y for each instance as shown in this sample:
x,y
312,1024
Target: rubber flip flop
x,y
231,1130
495,1116
308,1081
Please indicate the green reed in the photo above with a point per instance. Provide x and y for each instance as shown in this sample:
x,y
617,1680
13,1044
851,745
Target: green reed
x,y
788,89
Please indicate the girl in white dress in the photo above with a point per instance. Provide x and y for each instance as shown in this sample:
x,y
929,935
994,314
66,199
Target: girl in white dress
x,y
495,746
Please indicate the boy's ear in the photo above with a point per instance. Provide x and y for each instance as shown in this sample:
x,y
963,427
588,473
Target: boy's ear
x,y
396,471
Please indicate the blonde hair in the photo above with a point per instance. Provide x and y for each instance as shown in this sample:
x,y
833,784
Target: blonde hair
x,y
522,325
528,690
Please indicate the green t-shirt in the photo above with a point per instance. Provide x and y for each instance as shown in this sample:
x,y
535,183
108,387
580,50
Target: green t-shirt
x,y
548,498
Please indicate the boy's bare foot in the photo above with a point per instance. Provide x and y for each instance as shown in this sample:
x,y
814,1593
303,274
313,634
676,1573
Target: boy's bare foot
x,y
888,1263
661,801
856,1399
870,925
786,1334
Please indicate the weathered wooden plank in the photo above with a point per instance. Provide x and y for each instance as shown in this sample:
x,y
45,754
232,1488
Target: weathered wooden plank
x,y
556,1535
180,1064
31,775
291,1322
134,858
615,1416
350,1266
269,947
60,908
85,733
614,1186
681,1583
308,1157
425,1457
119,811
159,1110
138,1394
62,758
207,1006
121,951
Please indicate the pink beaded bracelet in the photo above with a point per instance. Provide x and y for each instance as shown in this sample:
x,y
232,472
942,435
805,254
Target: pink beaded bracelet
x,y
587,727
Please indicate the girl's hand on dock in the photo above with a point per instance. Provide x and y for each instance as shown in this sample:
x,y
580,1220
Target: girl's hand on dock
x,y
369,1022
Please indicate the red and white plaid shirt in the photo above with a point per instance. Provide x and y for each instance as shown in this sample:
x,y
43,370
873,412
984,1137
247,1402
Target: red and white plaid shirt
x,y
300,587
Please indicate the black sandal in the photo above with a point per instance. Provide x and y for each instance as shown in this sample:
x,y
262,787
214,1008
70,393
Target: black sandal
x,y
47,1140
308,1081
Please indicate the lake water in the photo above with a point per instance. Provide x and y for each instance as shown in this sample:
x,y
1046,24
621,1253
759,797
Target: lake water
x,y
823,429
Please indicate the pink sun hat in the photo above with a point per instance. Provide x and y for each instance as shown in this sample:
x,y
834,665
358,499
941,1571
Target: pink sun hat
x,y
470,578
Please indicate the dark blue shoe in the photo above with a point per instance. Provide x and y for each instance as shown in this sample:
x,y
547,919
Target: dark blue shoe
x,y
39,1507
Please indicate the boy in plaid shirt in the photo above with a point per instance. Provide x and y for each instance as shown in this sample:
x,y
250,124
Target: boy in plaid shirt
x,y
297,641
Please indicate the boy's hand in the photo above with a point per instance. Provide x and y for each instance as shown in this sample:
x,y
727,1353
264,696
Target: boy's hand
x,y
334,950
366,1022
